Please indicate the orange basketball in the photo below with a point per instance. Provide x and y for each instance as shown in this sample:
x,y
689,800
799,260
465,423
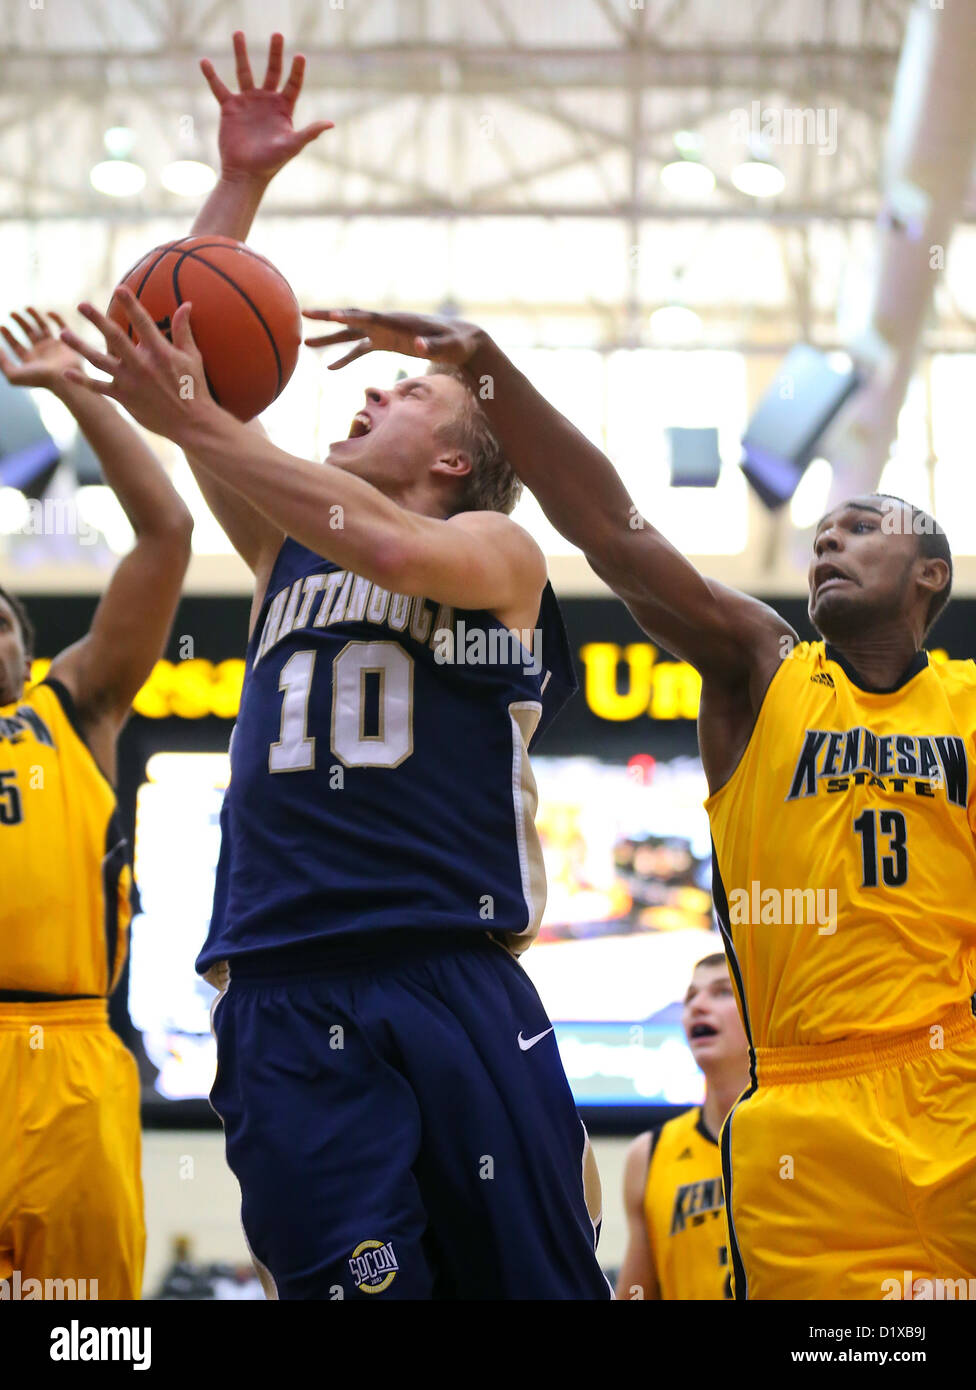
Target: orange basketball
x,y
245,318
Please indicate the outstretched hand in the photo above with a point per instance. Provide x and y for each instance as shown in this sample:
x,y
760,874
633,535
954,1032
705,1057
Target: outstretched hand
x,y
43,359
161,384
415,335
257,137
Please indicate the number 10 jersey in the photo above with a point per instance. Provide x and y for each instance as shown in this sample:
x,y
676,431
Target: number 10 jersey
x,y
380,778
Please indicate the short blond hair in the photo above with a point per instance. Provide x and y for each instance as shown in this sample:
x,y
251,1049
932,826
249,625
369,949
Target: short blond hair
x,y
492,485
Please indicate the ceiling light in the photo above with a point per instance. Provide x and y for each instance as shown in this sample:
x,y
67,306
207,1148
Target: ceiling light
x,y
675,323
689,142
688,177
118,178
119,140
760,178
188,177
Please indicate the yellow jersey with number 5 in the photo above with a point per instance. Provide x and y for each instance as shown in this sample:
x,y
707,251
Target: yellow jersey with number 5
x,y
845,851
65,900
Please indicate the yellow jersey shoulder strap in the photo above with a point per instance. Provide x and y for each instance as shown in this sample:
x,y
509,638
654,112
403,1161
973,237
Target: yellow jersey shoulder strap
x,y
670,1138
54,702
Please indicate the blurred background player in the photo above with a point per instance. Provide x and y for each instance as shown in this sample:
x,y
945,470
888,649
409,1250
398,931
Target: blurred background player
x,y
677,1246
70,1178
843,771
380,868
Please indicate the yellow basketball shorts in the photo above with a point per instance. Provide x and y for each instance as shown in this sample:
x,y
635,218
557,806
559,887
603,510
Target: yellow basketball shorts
x,y
70,1162
851,1174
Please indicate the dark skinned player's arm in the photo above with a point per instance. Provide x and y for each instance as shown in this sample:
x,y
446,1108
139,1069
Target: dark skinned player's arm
x,y
705,623
104,671
734,641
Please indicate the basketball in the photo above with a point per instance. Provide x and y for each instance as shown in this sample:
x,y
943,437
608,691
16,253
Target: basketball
x,y
245,320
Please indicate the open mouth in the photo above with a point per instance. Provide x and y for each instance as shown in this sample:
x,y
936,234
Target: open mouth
x,y
827,575
704,1030
361,424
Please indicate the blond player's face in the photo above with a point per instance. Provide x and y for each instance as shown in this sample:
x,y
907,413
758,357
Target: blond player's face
x,y
711,1019
398,434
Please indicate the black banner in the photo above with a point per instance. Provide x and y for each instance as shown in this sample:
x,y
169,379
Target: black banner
x,y
633,697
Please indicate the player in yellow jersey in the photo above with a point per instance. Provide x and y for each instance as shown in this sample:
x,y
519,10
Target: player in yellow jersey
x,y
842,776
70,1177
676,1246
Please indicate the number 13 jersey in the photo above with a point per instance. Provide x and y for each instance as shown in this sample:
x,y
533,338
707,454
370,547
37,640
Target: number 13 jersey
x,y
844,851
379,766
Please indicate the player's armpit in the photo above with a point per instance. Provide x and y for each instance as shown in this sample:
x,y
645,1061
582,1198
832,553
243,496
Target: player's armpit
x,y
472,560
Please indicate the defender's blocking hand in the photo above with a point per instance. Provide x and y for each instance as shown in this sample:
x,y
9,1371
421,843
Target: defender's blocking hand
x,y
416,335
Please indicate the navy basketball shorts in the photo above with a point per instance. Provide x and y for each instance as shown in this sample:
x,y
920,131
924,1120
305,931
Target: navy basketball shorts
x,y
402,1128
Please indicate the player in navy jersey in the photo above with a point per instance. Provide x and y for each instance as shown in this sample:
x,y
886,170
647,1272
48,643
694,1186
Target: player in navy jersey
x,y
392,1096
347,681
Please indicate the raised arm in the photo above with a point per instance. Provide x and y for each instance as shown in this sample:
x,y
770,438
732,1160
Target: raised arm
x,y
105,669
256,139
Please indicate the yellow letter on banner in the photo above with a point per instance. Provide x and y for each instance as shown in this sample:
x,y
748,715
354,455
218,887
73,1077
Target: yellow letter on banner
x,y
600,660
